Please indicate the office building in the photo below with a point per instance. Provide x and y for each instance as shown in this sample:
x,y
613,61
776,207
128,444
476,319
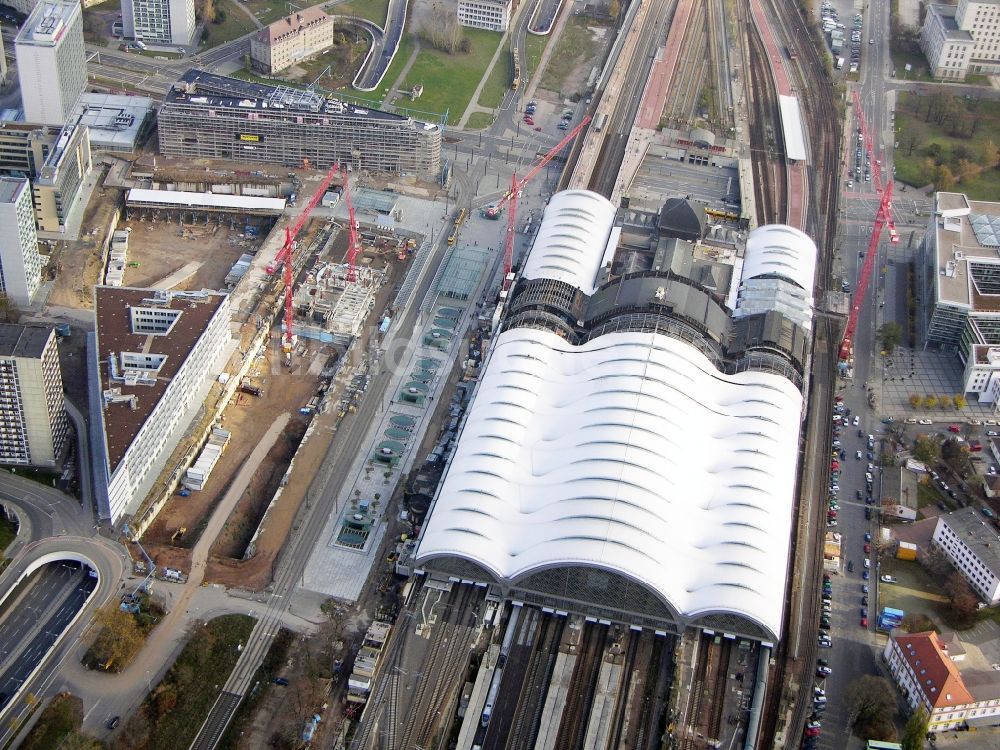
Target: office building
x,y
20,263
152,359
293,39
961,288
3,64
115,123
951,679
168,22
34,428
51,65
630,451
962,39
210,116
57,186
971,542
492,15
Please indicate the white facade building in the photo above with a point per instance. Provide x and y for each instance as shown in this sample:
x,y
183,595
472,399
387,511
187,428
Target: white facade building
x,y
152,358
493,15
170,22
972,543
925,668
307,33
51,65
20,262
33,424
961,39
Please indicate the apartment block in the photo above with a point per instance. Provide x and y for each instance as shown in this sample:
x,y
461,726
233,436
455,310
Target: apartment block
x,y
169,22
971,542
20,262
34,428
962,39
493,15
51,64
152,359
305,34
211,116
951,679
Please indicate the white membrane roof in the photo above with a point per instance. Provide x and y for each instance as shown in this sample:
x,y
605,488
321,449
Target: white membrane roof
x,y
780,250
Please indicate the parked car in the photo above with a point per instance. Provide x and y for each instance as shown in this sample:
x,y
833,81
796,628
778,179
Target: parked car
x,y
888,579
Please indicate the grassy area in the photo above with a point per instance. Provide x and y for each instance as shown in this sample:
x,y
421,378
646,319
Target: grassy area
x,y
534,47
576,43
59,726
267,11
914,591
373,10
479,120
8,532
171,715
498,83
43,476
904,53
398,63
159,55
450,80
234,24
951,132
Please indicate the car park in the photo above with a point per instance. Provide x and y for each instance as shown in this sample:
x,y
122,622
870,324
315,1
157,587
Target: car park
x,y
864,588
868,514
864,622
857,455
866,574
864,600
868,548
857,420
868,563
868,536
823,671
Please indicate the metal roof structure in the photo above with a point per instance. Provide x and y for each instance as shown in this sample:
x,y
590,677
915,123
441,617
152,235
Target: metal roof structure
x,y
782,251
210,201
631,454
574,223
791,128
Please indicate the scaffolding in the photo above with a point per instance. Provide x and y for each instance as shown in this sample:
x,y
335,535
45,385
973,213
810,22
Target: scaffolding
x,y
330,308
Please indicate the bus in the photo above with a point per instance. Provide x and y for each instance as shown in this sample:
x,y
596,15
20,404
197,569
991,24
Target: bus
x,y
599,122
879,745
516,67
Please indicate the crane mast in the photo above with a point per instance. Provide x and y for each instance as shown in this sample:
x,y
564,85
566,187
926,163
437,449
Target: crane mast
x,y
353,246
284,255
516,186
883,218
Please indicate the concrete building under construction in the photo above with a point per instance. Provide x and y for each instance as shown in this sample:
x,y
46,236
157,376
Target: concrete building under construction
x,y
330,308
211,116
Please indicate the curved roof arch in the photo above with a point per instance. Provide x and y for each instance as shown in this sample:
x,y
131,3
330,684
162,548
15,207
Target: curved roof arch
x,y
630,453
571,239
783,251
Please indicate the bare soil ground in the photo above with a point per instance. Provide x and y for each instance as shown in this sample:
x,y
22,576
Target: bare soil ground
x,y
162,247
77,265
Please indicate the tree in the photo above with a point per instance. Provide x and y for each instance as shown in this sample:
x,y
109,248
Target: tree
x,y
207,12
927,450
916,401
120,638
916,729
872,703
990,154
960,401
891,334
964,603
614,9
943,178
944,401
930,401
917,622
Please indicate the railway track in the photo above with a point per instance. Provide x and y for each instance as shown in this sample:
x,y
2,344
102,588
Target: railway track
x,y
686,81
698,689
624,703
531,702
719,694
572,725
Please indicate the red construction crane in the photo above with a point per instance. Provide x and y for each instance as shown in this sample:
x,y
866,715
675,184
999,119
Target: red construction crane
x,y
284,255
883,217
516,186
353,246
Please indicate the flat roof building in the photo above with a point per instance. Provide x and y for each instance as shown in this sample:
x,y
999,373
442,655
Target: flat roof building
x,y
169,22
151,360
971,542
35,428
293,39
961,288
492,15
114,122
20,262
58,185
210,116
623,456
962,39
51,65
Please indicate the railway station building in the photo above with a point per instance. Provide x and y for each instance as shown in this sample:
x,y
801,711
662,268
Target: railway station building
x,y
211,116
630,452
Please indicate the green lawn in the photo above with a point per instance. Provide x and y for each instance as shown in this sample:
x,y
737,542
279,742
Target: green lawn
x,y
58,726
498,83
903,54
8,532
576,43
235,25
171,715
535,46
479,120
397,65
450,80
373,10
268,11
960,137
